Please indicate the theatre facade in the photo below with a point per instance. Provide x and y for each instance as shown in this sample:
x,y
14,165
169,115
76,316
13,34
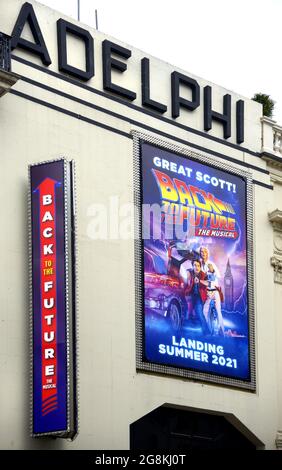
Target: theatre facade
x,y
141,280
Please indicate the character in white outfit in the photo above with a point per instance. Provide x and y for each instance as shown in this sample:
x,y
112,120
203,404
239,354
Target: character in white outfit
x,y
213,288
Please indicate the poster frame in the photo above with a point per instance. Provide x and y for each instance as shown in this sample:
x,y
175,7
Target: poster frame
x,y
142,364
70,295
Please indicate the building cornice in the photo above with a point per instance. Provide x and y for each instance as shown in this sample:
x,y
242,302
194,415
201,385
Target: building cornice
x,y
275,218
7,80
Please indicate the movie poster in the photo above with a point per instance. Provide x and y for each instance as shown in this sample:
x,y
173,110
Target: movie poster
x,y
195,290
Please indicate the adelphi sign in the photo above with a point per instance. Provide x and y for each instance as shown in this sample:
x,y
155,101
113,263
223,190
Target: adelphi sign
x,y
116,57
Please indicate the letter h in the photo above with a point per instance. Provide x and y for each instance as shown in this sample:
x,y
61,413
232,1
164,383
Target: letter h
x,y
209,114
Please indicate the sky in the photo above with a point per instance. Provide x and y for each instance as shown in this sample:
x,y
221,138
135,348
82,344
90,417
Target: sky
x,y
235,44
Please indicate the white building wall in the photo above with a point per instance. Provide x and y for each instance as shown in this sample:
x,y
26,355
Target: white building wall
x,y
112,394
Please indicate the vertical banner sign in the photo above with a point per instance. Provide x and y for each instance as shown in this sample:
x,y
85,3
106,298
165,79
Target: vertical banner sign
x,y
53,287
196,309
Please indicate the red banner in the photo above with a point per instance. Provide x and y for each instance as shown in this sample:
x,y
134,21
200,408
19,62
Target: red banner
x,y
48,294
